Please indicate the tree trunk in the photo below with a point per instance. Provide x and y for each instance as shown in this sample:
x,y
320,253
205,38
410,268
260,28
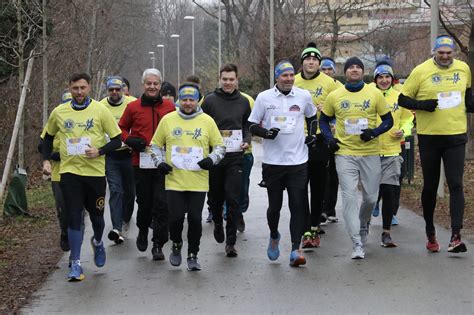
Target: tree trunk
x,y
92,30
21,76
45,66
470,117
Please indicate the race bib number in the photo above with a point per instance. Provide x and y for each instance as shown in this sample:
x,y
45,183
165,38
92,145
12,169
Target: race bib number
x,y
146,159
77,146
232,140
354,126
186,158
286,124
449,99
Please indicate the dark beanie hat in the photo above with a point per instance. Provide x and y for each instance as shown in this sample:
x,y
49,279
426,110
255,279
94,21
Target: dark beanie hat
x,y
310,51
353,61
168,89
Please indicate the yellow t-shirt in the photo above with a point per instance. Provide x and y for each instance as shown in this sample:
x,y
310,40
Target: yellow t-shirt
x,y
81,126
353,111
199,132
402,120
251,101
319,88
430,81
55,177
117,111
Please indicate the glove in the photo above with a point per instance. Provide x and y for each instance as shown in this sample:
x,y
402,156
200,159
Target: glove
x,y
333,145
55,156
310,140
428,105
164,168
367,135
138,144
206,163
272,133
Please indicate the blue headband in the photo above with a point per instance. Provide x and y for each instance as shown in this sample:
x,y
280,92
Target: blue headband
x,y
444,41
189,92
114,83
328,63
283,66
383,69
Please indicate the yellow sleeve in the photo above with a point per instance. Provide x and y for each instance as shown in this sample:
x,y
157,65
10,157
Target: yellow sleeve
x,y
328,107
43,133
109,124
215,137
406,121
159,137
52,127
411,85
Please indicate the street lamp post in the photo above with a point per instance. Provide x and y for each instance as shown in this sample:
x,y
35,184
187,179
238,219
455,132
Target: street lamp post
x,y
219,38
177,45
152,57
191,18
162,59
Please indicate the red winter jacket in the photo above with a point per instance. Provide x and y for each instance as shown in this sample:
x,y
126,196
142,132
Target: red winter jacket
x,y
141,120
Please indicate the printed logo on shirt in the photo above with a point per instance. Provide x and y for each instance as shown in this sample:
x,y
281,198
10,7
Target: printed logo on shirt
x,y
177,132
89,124
345,105
197,133
295,108
435,79
270,106
456,77
366,105
318,92
395,107
69,124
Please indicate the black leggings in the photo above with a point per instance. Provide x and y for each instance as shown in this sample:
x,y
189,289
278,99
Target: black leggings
x,y
452,150
390,195
179,203
294,179
318,176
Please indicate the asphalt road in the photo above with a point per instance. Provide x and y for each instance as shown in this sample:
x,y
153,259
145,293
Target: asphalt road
x,y
402,280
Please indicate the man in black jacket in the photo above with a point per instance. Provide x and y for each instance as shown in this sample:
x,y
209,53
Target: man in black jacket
x,y
230,110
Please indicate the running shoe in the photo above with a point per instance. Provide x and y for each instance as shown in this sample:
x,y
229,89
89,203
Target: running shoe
x,y
333,219
230,251
142,240
64,242
273,252
240,223
308,240
175,257
358,251
456,245
113,235
318,230
324,218
297,258
387,240
376,211
432,245
394,220
157,253
315,239
209,218
219,235
99,253
75,273
193,263
120,240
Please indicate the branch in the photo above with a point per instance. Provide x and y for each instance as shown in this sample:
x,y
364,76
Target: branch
x,y
205,10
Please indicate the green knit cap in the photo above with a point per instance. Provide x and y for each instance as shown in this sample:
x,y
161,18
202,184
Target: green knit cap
x,y
310,51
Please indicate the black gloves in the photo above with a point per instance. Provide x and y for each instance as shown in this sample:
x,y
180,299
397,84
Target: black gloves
x,y
428,105
310,140
206,163
164,168
138,144
272,133
367,135
333,145
55,156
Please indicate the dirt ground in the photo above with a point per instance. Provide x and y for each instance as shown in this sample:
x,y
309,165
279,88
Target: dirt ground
x,y
29,246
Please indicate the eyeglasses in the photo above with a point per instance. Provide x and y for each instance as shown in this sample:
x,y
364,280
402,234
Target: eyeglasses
x,y
115,89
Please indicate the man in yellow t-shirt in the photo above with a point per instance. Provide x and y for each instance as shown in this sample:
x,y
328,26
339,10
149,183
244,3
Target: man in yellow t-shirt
x,y
181,144
390,149
355,108
118,167
439,90
81,126
319,85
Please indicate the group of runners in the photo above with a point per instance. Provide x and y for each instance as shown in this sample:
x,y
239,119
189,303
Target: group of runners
x,y
170,147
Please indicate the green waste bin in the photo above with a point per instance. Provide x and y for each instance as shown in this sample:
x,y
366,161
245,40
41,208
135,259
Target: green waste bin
x,y
15,202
